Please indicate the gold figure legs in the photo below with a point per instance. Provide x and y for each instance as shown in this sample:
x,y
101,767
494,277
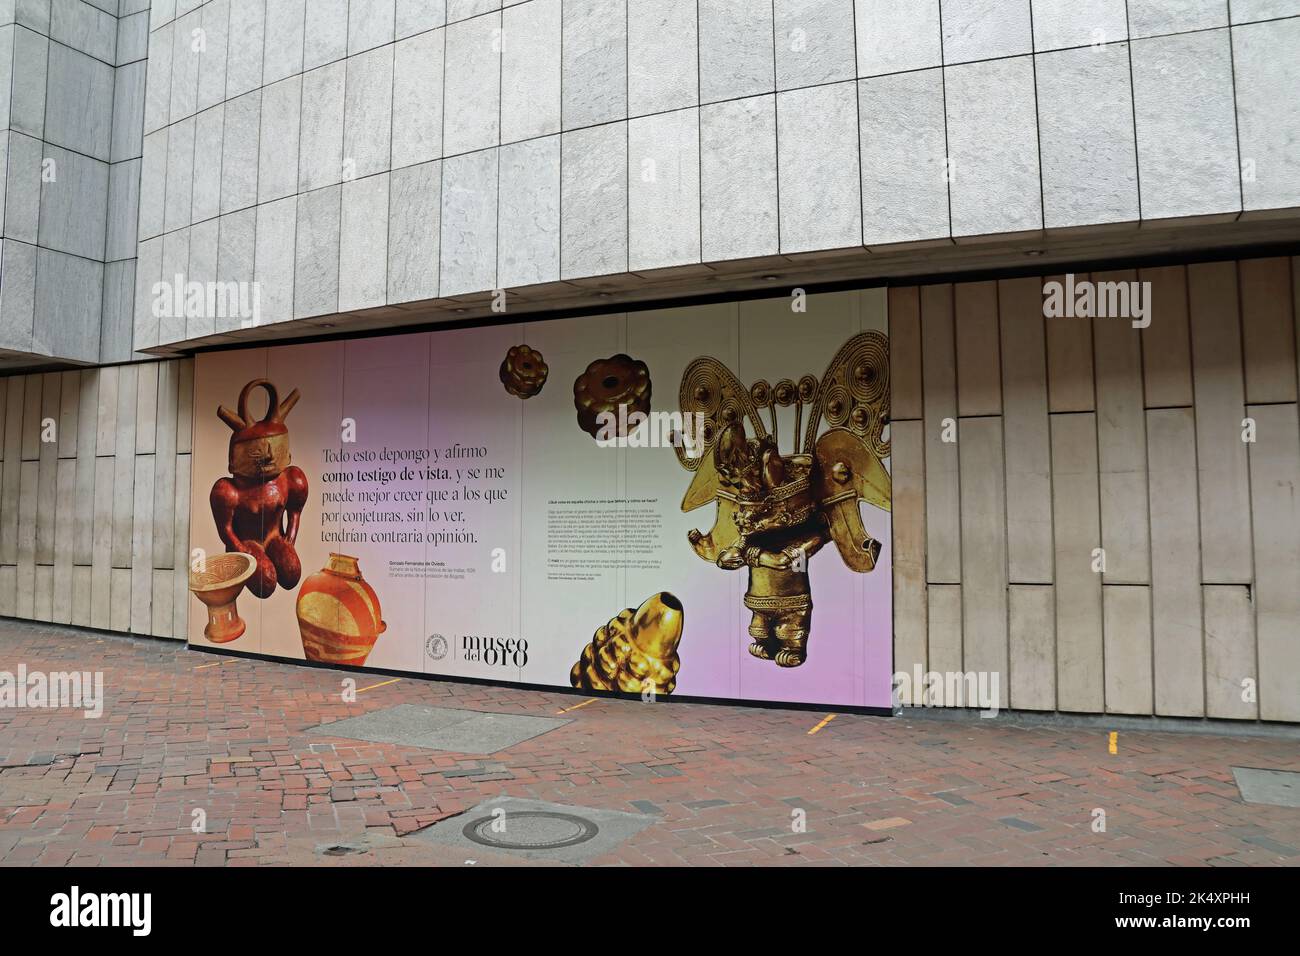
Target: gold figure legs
x,y
782,604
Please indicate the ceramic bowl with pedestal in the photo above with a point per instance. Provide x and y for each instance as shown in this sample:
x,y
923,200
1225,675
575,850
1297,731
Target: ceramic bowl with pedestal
x,y
217,586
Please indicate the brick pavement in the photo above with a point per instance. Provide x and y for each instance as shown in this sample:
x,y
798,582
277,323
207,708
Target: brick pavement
x,y
184,731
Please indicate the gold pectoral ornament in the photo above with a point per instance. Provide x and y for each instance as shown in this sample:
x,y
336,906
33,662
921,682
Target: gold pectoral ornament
x,y
774,510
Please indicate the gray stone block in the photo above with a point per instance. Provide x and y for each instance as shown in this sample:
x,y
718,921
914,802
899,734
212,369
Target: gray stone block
x,y
74,204
275,258
370,24
27,88
664,190
153,184
594,87
132,39
1088,154
983,29
1278,788
84,27
244,47
68,299
144,324
1268,112
79,103
123,210
736,49
236,250
473,78
898,35
1248,11
417,99
817,147
239,152
530,70
128,112
326,32
904,148
115,330
738,179
185,66
320,156
363,244
209,131
158,89
212,61
17,294
417,16
277,165
1186,125
180,174
528,234
316,272
815,42
204,246
415,228
174,268
993,147
1152,17
593,201
663,60
469,223
285,20
367,113
441,728
23,188
1073,23
464,9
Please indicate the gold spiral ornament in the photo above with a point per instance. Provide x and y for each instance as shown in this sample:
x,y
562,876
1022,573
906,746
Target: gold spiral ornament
x,y
838,405
868,368
761,393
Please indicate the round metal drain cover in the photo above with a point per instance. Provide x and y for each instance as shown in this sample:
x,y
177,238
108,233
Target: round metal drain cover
x,y
531,830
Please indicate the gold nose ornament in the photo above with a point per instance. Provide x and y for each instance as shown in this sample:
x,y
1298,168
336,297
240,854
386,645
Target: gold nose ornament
x,y
636,651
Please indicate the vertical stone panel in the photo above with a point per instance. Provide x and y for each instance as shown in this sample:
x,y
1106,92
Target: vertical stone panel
x,y
907,466
1075,510
942,489
1175,563
1275,509
1220,407
1230,652
984,550
1027,434
1031,612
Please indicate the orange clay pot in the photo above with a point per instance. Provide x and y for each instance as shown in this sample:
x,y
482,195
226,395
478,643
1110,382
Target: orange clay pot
x,y
338,614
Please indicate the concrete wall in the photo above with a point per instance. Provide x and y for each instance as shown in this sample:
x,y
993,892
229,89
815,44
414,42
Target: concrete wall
x,y
357,156
94,521
71,115
1075,435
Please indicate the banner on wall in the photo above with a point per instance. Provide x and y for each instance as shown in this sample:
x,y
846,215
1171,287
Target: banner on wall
x,y
690,502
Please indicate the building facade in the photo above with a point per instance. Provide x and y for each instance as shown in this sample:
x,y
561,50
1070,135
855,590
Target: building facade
x,y
1099,507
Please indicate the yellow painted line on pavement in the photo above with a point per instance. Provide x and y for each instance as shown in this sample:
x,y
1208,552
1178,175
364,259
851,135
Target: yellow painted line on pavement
x,y
217,664
590,700
829,718
1114,741
362,690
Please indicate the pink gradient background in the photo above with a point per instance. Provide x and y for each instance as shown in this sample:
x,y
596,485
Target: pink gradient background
x,y
436,388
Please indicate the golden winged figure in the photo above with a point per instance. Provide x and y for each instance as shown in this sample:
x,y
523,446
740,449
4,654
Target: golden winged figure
x,y
776,510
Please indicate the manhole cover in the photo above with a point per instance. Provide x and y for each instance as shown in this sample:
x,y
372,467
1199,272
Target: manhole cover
x,y
531,830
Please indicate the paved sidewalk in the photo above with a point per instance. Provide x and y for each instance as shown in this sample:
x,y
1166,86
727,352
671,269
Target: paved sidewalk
x,y
185,731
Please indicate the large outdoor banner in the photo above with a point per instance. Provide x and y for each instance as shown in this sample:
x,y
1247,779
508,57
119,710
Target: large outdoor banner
x,y
689,501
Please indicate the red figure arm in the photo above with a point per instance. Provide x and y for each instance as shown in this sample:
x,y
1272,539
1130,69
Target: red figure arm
x,y
295,501
225,500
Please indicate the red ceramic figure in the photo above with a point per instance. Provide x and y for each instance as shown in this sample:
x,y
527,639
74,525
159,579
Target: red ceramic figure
x,y
257,509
